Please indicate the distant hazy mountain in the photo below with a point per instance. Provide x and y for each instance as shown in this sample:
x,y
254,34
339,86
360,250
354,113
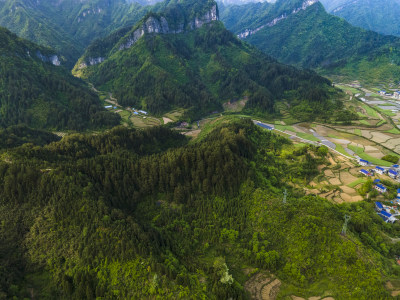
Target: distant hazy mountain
x,y
302,33
68,26
240,2
382,16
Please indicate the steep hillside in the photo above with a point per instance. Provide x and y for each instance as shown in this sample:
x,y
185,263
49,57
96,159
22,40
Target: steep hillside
x,y
36,91
184,57
143,214
67,26
307,36
378,15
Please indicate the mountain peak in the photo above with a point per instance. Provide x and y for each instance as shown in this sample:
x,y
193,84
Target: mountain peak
x,y
172,17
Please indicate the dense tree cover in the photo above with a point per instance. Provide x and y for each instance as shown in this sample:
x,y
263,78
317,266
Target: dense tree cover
x,y
391,158
252,15
68,26
312,38
41,95
110,216
377,15
200,69
18,135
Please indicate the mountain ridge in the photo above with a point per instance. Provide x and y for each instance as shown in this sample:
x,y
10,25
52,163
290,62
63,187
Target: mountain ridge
x,y
37,91
196,69
312,38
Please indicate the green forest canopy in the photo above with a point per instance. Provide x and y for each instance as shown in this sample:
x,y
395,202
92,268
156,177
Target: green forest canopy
x,y
142,213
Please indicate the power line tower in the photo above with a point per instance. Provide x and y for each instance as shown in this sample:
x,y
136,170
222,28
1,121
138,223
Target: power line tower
x,y
346,221
285,194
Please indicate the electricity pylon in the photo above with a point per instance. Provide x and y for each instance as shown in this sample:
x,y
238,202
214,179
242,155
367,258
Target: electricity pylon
x,y
346,221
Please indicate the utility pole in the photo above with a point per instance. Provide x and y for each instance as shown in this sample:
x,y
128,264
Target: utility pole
x,y
346,221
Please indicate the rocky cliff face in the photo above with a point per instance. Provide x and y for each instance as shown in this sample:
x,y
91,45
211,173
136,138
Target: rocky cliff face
x,y
160,26
151,25
157,25
53,59
211,15
275,21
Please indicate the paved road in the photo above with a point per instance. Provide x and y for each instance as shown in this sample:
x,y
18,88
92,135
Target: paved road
x,y
324,140
328,144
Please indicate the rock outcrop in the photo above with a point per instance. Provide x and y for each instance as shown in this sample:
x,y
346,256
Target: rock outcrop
x,y
53,59
161,26
156,25
275,21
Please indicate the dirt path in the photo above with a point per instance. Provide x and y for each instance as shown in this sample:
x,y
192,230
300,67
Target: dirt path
x,y
167,120
263,287
270,291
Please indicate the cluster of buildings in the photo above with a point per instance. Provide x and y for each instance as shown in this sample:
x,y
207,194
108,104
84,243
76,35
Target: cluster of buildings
x,y
110,107
395,95
393,172
137,112
388,213
385,212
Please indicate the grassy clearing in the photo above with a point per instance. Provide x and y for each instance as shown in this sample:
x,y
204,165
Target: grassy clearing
x,y
381,122
174,115
139,121
370,111
348,89
394,130
357,182
376,161
340,149
365,122
361,115
125,116
307,136
357,150
284,127
386,112
334,136
300,145
358,132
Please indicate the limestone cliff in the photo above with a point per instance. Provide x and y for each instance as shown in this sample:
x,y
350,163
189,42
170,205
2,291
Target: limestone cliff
x,y
156,24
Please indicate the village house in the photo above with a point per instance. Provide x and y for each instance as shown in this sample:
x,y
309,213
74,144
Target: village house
x,y
365,172
363,162
380,170
378,206
393,174
387,217
380,188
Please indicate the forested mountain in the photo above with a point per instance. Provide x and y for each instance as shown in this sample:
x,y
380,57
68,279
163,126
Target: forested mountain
x,y
68,26
184,57
302,33
239,2
36,91
142,214
377,15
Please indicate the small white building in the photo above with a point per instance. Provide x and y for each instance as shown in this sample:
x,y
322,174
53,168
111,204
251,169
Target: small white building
x,y
380,188
393,174
380,170
363,162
